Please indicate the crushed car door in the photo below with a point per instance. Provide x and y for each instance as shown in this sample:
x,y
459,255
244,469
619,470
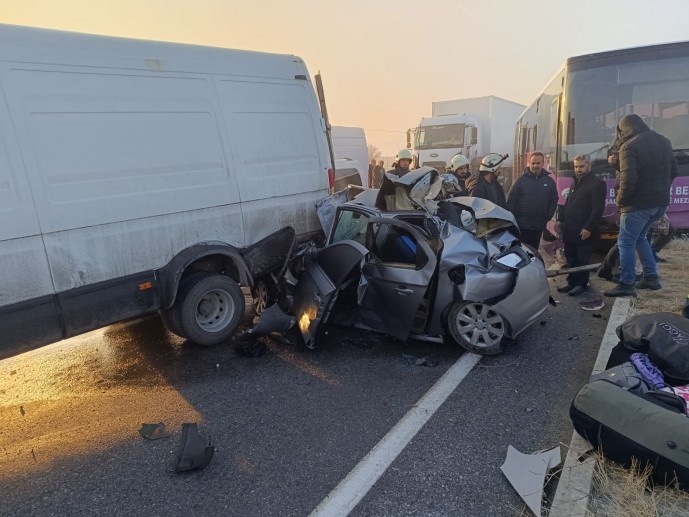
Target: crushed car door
x,y
395,277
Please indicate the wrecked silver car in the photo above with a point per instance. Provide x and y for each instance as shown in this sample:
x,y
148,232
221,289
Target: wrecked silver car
x,y
419,268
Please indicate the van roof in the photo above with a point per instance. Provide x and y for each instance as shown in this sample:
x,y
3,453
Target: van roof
x,y
32,45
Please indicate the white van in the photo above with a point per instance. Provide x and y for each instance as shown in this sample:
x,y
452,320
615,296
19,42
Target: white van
x,y
134,175
349,143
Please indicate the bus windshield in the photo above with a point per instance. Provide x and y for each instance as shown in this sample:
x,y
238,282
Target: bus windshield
x,y
440,137
656,90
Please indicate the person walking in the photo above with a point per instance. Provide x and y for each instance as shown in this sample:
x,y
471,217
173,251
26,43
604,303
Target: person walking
x,y
578,220
486,184
533,200
646,170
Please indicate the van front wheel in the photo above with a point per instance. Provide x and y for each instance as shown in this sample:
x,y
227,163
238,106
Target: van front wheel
x,y
209,308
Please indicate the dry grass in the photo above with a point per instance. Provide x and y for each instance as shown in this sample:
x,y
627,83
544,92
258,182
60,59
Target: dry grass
x,y
623,492
674,275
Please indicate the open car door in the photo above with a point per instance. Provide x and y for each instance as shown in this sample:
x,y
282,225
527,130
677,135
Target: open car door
x,y
395,276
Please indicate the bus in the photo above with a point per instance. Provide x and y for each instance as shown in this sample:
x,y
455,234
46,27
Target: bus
x,y
578,110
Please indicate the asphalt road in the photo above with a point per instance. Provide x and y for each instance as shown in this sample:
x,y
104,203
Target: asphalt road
x,y
287,426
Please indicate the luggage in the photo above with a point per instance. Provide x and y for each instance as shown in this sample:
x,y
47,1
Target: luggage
x,y
664,336
623,424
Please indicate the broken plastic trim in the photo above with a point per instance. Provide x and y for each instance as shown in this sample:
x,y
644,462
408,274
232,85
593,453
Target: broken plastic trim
x,y
195,451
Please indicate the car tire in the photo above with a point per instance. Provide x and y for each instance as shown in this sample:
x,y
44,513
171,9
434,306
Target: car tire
x,y
476,327
208,308
264,294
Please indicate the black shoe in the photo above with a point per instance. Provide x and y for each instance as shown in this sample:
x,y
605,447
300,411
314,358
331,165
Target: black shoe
x,y
649,283
565,288
578,289
621,290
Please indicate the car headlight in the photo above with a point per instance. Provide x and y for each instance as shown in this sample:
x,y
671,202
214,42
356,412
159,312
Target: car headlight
x,y
512,260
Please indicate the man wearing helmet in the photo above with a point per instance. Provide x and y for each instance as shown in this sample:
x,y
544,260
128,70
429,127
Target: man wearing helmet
x,y
402,163
533,200
460,168
486,184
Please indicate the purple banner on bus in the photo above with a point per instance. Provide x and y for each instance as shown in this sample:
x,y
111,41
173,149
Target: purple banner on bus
x,y
678,211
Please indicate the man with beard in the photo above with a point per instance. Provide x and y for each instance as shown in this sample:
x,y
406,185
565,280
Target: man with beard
x,y
533,200
578,220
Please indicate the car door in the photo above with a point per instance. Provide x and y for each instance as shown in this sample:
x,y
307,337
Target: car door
x,y
395,277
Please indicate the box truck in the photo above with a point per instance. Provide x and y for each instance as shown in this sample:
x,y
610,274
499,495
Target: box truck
x,y
473,127
139,176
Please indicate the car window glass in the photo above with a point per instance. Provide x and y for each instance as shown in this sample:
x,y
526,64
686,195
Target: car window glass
x,y
350,225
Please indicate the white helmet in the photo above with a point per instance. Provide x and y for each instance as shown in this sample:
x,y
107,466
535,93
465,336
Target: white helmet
x,y
491,162
459,160
405,154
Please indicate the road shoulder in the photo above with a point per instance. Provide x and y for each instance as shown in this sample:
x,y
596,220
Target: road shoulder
x,y
574,488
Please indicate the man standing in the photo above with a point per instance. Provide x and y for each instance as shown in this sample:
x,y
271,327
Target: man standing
x,y
486,185
533,200
377,176
647,168
371,166
579,219
387,187
460,168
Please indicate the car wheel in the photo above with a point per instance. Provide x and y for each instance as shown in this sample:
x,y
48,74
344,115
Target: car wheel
x,y
208,308
264,294
476,327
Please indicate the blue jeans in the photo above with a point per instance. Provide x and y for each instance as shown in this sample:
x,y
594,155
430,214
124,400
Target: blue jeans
x,y
634,226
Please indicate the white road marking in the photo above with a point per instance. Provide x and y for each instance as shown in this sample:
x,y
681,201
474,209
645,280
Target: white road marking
x,y
352,489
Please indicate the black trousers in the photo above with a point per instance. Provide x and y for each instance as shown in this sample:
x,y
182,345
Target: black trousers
x,y
578,254
531,237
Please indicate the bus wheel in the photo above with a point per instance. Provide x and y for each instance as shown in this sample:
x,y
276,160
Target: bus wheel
x,y
209,308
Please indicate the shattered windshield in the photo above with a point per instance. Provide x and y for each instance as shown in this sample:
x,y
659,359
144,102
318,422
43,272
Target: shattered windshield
x,y
350,225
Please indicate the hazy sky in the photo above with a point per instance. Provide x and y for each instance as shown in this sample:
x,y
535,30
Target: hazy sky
x,y
384,61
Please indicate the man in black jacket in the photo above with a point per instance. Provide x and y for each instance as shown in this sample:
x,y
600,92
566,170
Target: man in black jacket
x,y
578,220
533,200
486,184
647,168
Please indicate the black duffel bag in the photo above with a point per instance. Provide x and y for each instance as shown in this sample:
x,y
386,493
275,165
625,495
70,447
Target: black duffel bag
x,y
664,336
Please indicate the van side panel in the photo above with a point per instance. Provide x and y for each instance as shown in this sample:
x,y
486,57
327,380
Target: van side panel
x,y
278,151
90,255
24,273
149,145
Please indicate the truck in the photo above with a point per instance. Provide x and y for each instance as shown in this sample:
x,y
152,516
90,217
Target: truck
x,y
473,127
351,156
139,177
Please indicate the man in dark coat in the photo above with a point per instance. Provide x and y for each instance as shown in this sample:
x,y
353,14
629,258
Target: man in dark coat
x,y
533,200
646,170
486,184
578,220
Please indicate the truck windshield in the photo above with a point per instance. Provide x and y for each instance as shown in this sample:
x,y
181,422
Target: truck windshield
x,y
656,90
440,137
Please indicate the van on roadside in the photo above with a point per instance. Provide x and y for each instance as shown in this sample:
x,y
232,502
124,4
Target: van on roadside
x,y
135,175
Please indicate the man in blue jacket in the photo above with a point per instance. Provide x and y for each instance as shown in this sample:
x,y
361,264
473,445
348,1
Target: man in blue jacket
x,y
533,200
578,221
646,170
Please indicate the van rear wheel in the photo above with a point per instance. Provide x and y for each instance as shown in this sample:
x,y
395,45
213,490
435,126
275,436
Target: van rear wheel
x,y
208,308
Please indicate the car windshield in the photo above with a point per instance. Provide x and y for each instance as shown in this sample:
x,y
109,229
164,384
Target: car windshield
x,y
350,225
